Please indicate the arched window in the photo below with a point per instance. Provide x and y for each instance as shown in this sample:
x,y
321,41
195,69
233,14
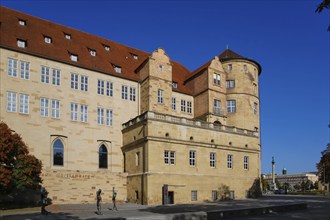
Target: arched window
x,y
58,153
103,157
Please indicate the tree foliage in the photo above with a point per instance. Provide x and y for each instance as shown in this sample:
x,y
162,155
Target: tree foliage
x,y
18,169
323,168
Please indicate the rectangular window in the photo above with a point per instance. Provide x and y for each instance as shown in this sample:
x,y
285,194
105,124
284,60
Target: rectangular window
x,y
169,157
84,83
21,43
124,91
172,157
255,108
230,68
44,107
212,159
84,113
24,103
48,40
25,70
160,96
246,162
55,108
56,79
12,67
173,103
21,22
100,87
229,161
166,157
11,101
214,195
183,105
74,81
74,57
216,79
44,74
100,116
117,69
231,106
194,195
192,158
245,68
74,112
189,107
109,89
217,107
109,117
132,94
230,83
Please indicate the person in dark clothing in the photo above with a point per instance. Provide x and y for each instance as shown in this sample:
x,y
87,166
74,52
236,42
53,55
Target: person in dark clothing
x,y
98,201
114,201
43,197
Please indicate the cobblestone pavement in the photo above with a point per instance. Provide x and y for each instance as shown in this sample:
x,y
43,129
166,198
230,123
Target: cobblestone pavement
x,y
318,208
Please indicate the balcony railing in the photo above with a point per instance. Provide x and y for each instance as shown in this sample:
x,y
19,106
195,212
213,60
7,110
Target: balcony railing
x,y
189,122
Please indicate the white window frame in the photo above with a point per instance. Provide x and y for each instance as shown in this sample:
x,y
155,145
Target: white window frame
x,y
160,96
24,103
194,195
167,157
12,67
84,83
230,84
109,91
230,161
117,69
183,105
11,102
56,77
212,159
22,22
109,117
25,70
21,43
74,111
246,162
189,107
93,53
217,106
173,103
44,74
132,94
74,57
44,107
231,106
74,81
100,116
48,40
192,158
100,87
84,113
55,108
124,91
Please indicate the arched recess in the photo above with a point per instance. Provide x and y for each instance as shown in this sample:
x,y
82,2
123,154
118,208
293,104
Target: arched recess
x,y
103,156
58,152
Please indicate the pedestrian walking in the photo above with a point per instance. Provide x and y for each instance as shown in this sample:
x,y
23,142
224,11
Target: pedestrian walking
x,y
43,197
98,201
114,201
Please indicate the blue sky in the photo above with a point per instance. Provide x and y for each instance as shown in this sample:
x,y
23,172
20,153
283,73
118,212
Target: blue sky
x,y
287,38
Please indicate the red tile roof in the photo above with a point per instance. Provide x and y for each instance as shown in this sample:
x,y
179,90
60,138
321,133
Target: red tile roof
x,y
80,44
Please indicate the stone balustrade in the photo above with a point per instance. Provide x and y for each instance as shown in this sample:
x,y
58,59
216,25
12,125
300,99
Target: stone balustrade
x,y
188,122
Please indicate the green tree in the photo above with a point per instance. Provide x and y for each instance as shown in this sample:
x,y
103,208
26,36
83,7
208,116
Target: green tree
x,y
223,191
325,4
264,184
18,169
323,168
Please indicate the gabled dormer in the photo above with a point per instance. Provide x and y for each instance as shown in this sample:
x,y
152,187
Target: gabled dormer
x,y
156,83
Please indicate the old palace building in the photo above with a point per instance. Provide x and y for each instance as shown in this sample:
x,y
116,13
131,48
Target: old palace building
x,y
99,114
